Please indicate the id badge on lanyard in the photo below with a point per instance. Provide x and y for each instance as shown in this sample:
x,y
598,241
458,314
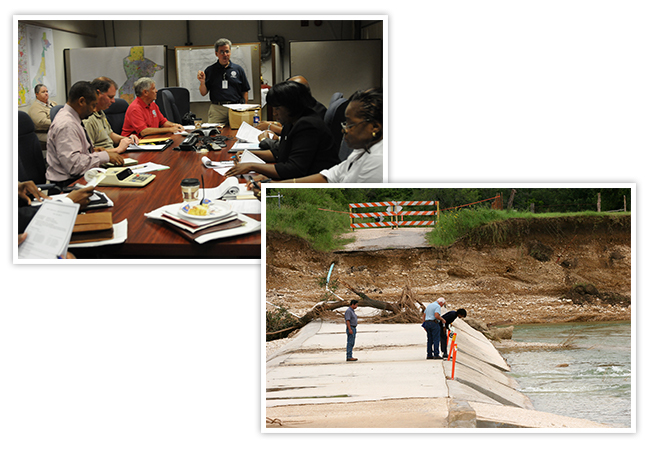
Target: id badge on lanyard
x,y
224,82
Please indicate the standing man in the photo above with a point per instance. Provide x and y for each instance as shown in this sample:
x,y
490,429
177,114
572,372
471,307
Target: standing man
x,y
40,112
226,82
143,117
433,321
99,130
448,318
69,152
351,328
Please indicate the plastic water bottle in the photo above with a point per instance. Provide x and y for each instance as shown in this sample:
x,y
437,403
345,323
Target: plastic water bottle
x,y
256,118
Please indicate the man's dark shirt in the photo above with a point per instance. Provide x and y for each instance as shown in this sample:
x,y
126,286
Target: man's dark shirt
x,y
449,317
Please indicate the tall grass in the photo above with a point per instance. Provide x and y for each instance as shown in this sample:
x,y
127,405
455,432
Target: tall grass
x,y
320,216
452,225
299,215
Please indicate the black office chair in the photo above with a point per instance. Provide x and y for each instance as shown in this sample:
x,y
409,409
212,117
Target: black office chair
x,y
333,117
55,109
30,156
115,114
31,165
167,105
182,100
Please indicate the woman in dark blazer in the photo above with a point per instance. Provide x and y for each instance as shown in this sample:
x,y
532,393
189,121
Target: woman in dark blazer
x,y
305,146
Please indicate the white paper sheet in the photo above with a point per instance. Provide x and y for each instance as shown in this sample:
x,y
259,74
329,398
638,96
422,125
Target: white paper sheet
x,y
48,233
248,133
249,157
241,146
242,106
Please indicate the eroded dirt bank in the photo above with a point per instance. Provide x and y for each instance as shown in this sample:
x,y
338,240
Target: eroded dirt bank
x,y
545,270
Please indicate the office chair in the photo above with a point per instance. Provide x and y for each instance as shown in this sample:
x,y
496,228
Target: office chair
x,y
30,156
182,100
167,105
31,165
115,114
333,117
55,109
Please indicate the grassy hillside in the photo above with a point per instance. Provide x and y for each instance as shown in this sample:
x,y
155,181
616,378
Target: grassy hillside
x,y
320,216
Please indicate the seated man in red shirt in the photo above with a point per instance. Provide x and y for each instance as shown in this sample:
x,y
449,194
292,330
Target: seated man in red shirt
x,y
143,117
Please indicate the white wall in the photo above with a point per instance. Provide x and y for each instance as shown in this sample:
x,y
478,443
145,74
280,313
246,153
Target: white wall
x,y
173,33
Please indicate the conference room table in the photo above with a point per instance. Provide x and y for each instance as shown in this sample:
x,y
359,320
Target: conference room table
x,y
155,239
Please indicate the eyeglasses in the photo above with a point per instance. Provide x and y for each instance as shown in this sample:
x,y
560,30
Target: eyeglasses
x,y
347,126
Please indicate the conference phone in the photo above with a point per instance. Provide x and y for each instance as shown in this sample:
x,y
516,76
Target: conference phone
x,y
209,139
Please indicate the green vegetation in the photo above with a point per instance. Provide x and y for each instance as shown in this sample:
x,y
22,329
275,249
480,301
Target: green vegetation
x,y
452,225
279,318
299,215
320,215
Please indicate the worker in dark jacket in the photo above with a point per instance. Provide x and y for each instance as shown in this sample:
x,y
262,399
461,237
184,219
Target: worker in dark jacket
x,y
449,317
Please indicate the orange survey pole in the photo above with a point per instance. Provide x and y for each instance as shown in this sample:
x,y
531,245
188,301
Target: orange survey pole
x,y
453,364
451,346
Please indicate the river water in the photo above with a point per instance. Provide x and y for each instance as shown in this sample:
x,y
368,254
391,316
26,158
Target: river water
x,y
591,381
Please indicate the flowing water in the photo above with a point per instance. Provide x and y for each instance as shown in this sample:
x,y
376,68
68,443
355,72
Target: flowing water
x,y
592,380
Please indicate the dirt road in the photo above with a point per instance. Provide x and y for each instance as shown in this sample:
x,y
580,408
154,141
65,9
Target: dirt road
x,y
386,238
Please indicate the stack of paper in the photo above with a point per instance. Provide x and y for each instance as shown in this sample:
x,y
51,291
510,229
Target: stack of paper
x,y
242,106
49,231
222,222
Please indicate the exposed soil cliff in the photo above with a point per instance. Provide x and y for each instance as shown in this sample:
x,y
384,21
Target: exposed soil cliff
x,y
519,271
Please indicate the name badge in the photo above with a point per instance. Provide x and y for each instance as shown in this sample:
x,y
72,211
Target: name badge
x,y
224,84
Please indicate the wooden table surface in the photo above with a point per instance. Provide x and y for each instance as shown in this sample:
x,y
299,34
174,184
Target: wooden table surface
x,y
154,239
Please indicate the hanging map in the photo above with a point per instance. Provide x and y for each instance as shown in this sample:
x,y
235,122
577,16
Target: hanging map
x,y
35,62
124,65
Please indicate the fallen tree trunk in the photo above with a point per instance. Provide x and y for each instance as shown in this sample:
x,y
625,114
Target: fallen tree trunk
x,y
367,301
405,310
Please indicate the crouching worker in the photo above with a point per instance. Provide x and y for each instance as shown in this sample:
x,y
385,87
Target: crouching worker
x,y
449,317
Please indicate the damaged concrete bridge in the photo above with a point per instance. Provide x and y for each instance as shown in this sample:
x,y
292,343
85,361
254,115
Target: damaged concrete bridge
x,y
309,384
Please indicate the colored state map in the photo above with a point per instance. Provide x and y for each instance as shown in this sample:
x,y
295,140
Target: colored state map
x,y
35,61
23,67
42,70
136,66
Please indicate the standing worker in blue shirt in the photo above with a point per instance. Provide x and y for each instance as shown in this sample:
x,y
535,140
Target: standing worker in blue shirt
x,y
433,322
226,82
351,328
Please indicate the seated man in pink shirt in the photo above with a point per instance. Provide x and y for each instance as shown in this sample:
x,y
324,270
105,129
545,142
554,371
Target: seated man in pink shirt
x,y
69,152
143,117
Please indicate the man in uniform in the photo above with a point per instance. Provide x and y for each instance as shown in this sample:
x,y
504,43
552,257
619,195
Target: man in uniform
x,y
225,81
